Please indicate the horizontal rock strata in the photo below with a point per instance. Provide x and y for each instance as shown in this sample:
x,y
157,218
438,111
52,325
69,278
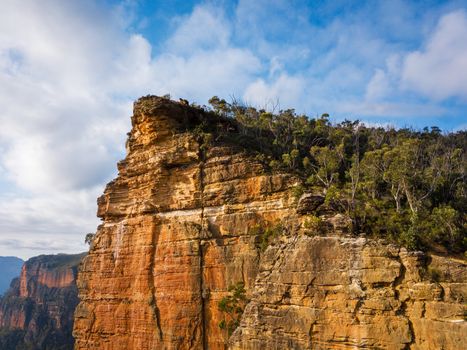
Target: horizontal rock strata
x,y
183,221
349,293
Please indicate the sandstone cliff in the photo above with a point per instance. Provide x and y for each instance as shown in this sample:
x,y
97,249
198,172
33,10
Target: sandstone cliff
x,y
183,221
37,310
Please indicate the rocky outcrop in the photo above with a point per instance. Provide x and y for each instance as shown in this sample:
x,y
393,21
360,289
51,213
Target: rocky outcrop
x,y
185,220
349,293
308,203
177,232
37,310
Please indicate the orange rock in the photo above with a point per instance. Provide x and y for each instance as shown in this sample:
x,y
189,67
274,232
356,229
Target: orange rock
x,y
179,227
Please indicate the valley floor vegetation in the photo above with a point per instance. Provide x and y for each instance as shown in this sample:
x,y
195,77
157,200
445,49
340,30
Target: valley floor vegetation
x,y
405,185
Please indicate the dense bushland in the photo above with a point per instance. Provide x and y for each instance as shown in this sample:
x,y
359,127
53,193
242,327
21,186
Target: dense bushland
x,y
406,185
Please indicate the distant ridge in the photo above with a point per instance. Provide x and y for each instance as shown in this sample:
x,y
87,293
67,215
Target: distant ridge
x,y
10,267
36,312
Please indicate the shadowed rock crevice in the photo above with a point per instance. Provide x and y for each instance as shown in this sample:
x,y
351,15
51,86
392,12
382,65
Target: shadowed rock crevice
x,y
152,285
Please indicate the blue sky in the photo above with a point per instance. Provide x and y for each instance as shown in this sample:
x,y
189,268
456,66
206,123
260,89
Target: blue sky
x,y
69,71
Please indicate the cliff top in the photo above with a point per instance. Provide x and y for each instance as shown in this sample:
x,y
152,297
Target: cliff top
x,y
188,116
414,179
58,261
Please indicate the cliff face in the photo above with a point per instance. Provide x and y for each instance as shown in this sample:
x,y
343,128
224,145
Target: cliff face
x,y
37,310
175,236
348,293
182,222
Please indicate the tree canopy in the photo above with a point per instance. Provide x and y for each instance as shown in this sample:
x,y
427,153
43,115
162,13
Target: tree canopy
x,y
403,184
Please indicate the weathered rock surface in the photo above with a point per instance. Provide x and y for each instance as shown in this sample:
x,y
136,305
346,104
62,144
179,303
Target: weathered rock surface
x,y
308,203
180,225
176,234
37,310
348,293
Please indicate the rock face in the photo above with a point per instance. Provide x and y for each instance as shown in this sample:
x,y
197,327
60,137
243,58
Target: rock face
x,y
182,222
176,234
37,310
349,293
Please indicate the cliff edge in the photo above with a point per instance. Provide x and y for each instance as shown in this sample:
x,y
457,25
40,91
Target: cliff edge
x,y
187,220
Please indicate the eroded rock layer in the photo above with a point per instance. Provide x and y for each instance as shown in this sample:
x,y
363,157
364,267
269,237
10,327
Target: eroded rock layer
x,y
180,225
352,293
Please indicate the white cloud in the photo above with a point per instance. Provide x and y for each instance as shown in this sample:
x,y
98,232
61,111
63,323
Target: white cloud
x,y
62,129
68,74
384,82
205,28
34,224
285,89
378,86
439,71
401,111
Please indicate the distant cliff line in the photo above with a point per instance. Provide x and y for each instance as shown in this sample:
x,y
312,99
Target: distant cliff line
x,y
37,311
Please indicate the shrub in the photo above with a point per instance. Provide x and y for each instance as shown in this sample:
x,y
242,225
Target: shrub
x,y
268,234
232,307
314,224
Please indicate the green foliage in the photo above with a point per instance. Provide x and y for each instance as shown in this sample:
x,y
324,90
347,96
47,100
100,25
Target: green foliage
x,y
325,170
219,105
203,137
315,225
89,238
443,226
404,185
268,234
232,307
297,191
434,274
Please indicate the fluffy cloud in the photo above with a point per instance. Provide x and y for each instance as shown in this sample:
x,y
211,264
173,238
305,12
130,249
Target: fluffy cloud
x,y
68,74
418,83
46,224
282,89
439,71
204,29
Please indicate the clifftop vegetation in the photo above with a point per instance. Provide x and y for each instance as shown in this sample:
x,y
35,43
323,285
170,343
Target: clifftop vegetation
x,y
58,261
405,185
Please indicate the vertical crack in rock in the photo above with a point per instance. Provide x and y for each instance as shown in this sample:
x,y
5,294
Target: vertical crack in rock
x,y
92,322
152,286
403,306
202,157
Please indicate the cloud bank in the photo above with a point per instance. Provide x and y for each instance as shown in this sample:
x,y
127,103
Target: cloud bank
x,y
69,72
